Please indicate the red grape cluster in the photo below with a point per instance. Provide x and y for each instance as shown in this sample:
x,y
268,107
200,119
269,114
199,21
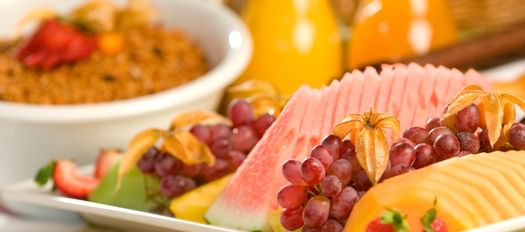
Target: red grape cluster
x,y
421,147
229,145
323,188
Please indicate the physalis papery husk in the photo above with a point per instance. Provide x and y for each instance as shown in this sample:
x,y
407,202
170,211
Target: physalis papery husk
x,y
177,141
497,111
262,95
367,133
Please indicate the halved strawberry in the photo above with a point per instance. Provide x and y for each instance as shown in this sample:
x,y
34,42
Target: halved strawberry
x,y
70,183
54,43
106,159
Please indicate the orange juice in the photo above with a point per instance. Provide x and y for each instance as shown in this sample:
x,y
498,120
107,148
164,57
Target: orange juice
x,y
386,30
295,42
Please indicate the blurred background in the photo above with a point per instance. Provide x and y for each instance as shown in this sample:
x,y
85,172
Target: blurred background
x,y
339,35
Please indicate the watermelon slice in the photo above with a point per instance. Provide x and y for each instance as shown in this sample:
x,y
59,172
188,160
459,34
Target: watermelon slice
x,y
397,92
257,175
372,84
440,90
357,90
310,115
418,95
313,118
426,91
387,76
410,94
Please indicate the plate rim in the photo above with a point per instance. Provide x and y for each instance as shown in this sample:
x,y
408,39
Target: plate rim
x,y
27,192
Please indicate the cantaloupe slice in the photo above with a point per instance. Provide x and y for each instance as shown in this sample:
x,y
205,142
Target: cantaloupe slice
x,y
503,176
473,197
471,191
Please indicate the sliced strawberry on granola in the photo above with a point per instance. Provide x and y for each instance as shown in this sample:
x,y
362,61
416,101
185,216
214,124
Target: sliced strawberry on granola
x,y
55,43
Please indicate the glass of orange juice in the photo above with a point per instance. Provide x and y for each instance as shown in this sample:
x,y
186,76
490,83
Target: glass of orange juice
x,y
386,30
295,42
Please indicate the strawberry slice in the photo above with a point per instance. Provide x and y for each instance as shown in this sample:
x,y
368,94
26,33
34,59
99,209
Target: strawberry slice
x,y
431,223
70,183
439,225
389,221
55,43
106,159
376,226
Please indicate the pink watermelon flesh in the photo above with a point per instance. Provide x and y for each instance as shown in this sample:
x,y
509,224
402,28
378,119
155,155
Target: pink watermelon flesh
x,y
312,118
341,101
387,76
309,116
425,92
474,77
397,91
410,95
303,139
345,92
330,107
419,98
440,90
453,85
355,93
357,87
372,85
323,120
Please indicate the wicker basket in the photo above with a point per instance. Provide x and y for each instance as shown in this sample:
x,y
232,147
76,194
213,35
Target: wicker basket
x,y
487,15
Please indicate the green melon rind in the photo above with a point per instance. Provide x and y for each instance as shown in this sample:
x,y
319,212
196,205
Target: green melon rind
x,y
132,193
257,221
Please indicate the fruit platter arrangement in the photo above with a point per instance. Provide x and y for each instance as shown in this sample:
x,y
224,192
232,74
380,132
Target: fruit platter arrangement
x,y
405,148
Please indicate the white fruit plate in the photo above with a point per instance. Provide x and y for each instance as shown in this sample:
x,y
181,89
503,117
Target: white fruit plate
x,y
26,198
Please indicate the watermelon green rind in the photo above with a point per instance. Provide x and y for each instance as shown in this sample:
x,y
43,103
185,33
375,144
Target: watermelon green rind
x,y
233,209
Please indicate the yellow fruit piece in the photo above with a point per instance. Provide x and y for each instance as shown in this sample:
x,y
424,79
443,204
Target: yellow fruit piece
x,y
275,222
193,205
471,191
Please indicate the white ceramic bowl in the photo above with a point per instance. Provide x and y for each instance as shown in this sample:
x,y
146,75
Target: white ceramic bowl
x,y
30,135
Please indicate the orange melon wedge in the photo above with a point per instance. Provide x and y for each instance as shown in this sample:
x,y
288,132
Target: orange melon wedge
x,y
471,191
